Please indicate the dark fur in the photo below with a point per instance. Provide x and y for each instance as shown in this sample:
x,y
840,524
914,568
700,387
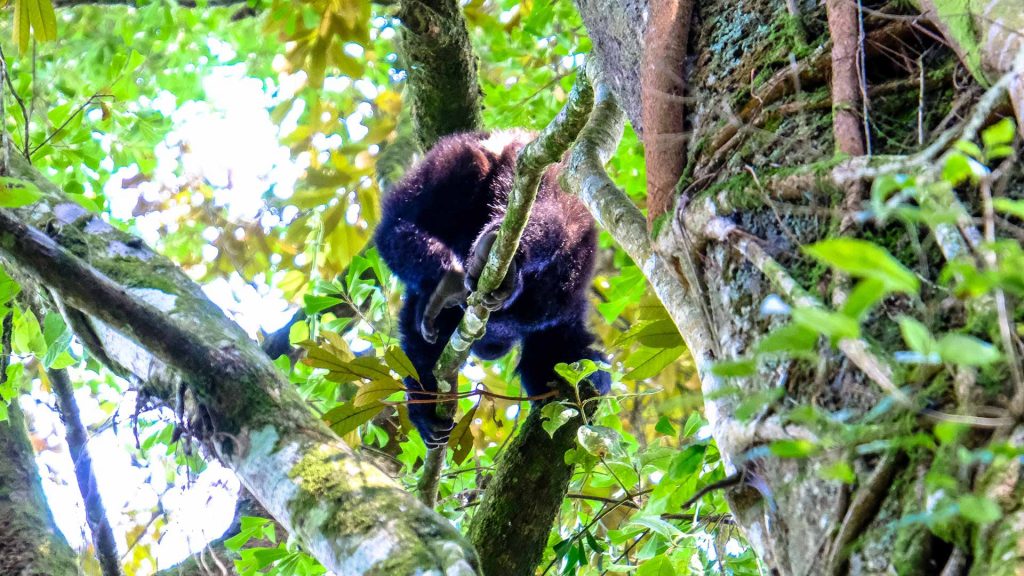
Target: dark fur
x,y
434,217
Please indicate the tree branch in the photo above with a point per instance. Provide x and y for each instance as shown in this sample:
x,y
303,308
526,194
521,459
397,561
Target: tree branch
x,y
662,86
155,322
441,67
32,545
77,438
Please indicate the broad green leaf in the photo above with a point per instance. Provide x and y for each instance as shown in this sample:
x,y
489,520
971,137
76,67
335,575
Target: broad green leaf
x,y
28,337
957,169
839,470
348,416
793,448
397,360
916,335
865,259
657,334
15,192
998,134
863,298
555,415
1011,207
832,324
978,509
658,566
648,362
967,350
788,339
658,526
58,339
597,440
461,439
376,391
8,288
576,372
665,427
734,368
316,304
969,148
687,462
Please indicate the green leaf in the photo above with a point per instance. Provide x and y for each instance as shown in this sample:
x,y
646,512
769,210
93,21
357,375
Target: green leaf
x,y
793,448
597,440
665,427
577,371
753,403
648,362
978,509
397,360
998,134
687,462
658,526
376,391
917,336
957,169
15,192
658,566
58,339
8,288
864,259
555,415
659,334
1011,207
348,416
316,304
791,338
734,368
832,324
28,337
461,439
839,470
969,148
967,350
863,298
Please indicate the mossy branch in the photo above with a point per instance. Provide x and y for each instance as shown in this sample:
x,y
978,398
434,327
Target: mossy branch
x,y
154,321
443,88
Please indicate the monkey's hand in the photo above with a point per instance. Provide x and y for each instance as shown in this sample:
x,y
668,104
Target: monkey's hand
x,y
450,291
510,285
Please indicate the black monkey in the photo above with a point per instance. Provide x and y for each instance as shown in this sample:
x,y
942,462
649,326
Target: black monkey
x,y
436,230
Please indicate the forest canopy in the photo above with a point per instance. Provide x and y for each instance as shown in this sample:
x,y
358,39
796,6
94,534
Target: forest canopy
x,y
808,273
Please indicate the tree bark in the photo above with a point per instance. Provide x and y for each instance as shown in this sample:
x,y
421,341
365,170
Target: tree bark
x,y
30,542
142,315
752,71
77,438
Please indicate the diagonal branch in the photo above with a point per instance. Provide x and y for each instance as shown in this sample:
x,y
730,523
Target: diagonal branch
x,y
77,438
155,322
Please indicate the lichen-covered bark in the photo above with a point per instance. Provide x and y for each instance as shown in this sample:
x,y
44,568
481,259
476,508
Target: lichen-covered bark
x,y
30,544
439,60
761,108
141,313
616,28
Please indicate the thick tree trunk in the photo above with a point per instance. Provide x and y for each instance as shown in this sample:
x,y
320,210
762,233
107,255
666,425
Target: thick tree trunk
x,y
148,321
30,544
759,104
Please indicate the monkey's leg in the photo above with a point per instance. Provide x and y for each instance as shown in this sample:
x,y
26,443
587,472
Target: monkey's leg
x,y
423,354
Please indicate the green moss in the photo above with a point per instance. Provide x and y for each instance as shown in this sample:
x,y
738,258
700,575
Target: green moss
x,y
344,499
